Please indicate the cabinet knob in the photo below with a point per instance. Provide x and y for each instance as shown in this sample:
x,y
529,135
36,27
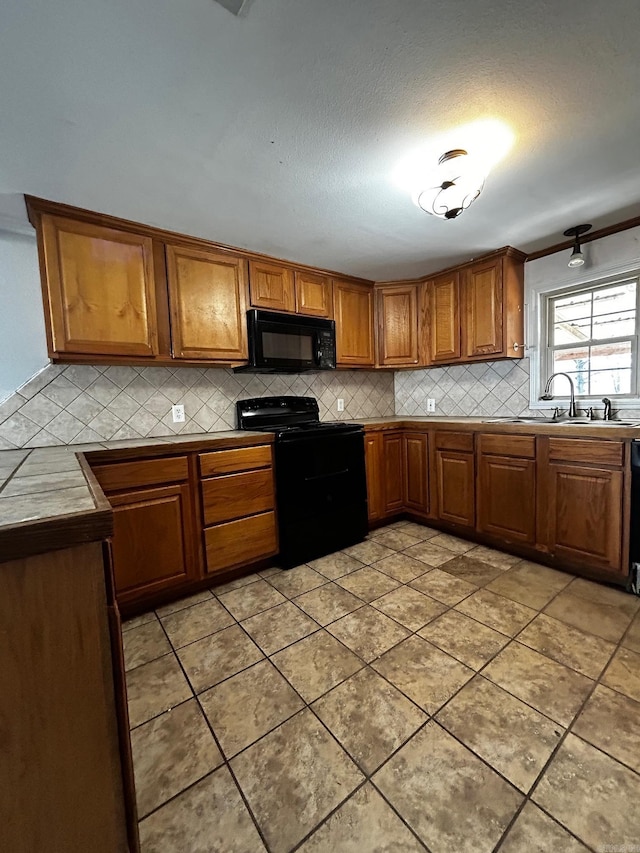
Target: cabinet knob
x,y
517,346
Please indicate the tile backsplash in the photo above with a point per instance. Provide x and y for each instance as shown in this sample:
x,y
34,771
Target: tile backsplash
x,y
77,404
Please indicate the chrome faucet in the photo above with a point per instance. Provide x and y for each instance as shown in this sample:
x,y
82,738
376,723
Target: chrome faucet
x,y
607,409
548,396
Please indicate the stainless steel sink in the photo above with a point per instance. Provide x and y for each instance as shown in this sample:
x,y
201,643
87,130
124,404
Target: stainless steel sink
x,y
563,422
518,421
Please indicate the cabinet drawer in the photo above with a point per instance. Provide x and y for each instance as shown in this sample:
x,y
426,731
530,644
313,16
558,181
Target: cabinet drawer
x,y
454,441
225,498
237,543
230,461
150,472
523,446
585,450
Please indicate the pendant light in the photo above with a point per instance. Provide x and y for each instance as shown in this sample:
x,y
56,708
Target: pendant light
x,y
457,183
577,258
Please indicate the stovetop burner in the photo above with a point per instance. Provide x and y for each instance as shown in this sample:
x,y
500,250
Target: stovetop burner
x,y
287,416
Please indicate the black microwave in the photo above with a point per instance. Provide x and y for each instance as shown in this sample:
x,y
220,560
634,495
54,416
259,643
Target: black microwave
x,y
289,343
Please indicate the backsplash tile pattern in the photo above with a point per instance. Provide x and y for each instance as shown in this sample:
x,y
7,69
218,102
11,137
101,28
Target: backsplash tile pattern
x,y
76,404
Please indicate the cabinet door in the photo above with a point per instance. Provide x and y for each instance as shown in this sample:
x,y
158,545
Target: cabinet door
x,y
507,497
353,312
444,318
483,309
313,294
208,300
397,309
416,487
393,467
373,462
271,287
152,540
455,487
585,515
100,289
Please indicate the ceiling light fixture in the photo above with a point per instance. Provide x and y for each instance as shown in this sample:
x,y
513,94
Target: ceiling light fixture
x,y
577,258
457,183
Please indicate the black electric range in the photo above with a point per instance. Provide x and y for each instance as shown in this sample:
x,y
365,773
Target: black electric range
x,y
321,485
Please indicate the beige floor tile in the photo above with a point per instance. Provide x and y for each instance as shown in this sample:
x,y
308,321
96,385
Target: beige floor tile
x,y
466,568
590,794
536,832
452,543
401,567
368,583
309,775
631,638
432,555
446,794
623,673
411,608
170,753
530,584
586,653
367,632
594,608
368,551
328,603
497,612
464,638
212,659
210,816
336,565
267,573
443,587
553,689
155,687
499,559
425,674
369,717
196,622
136,621
296,581
316,664
420,531
364,823
609,721
143,644
236,583
480,715
182,603
397,540
251,599
247,706
279,627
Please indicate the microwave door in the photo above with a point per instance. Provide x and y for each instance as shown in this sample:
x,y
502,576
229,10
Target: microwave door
x,y
288,346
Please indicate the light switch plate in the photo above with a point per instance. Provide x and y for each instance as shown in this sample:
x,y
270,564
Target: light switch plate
x,y
340,404
177,413
431,404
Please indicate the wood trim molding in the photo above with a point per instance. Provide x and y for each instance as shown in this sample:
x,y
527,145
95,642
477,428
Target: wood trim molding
x,y
634,222
506,251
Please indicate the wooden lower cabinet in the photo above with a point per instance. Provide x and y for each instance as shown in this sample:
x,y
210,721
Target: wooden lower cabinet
x,y
417,479
240,542
506,498
455,478
393,466
373,465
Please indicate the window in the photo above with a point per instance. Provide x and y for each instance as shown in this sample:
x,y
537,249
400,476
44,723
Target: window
x,y
592,335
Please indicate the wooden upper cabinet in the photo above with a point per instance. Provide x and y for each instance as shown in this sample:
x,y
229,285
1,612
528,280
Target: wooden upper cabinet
x,y
483,306
271,286
208,302
353,312
99,289
397,313
313,294
443,333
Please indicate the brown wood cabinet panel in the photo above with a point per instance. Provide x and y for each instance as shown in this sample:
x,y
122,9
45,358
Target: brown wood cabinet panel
x,y
483,307
313,294
233,461
271,286
353,312
443,296
455,487
454,441
393,467
118,476
236,495
397,311
373,463
239,542
506,497
500,444
585,515
586,450
99,289
153,538
416,486
208,301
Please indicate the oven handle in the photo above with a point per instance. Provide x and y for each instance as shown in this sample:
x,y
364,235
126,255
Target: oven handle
x,y
325,476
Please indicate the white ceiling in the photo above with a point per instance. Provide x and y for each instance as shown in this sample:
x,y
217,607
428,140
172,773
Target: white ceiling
x,y
279,130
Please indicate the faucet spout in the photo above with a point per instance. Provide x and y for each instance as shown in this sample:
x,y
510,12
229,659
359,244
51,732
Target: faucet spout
x,y
549,396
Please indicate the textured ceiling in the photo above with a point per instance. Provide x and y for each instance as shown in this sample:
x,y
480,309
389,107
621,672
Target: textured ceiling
x,y
280,130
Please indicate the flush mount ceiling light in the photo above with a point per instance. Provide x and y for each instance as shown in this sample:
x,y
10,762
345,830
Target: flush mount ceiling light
x,y
577,258
454,185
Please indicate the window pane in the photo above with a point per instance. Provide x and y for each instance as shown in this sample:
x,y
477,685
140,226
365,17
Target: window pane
x,y
622,297
615,325
611,382
569,360
573,331
572,307
606,356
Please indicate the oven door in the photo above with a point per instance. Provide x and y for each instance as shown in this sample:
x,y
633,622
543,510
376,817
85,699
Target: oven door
x,y
289,343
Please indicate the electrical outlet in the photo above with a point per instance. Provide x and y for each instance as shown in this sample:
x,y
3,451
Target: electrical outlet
x,y
177,413
340,404
431,404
